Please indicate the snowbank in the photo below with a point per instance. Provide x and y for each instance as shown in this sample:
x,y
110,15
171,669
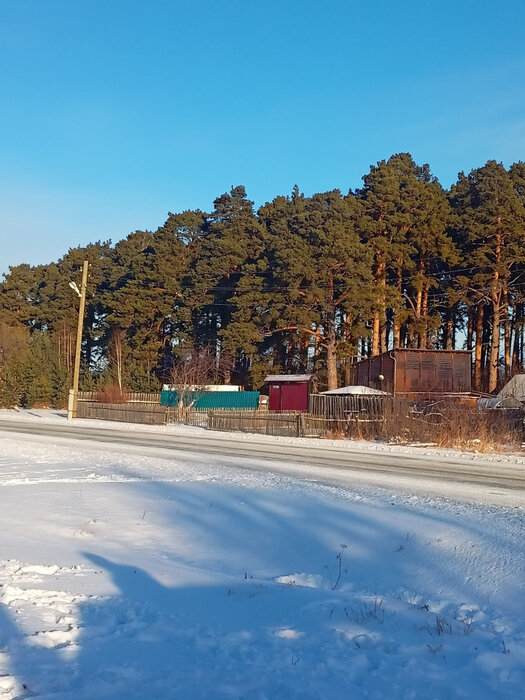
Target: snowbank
x,y
133,577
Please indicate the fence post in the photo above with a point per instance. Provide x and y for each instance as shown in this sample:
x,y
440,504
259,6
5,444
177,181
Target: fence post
x,y
300,425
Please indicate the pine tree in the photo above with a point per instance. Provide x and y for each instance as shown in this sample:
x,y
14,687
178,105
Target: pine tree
x,y
490,223
517,284
17,295
226,271
321,272
404,223
14,344
143,290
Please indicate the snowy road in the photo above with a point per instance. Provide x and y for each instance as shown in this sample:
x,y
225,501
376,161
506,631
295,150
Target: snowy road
x,y
489,479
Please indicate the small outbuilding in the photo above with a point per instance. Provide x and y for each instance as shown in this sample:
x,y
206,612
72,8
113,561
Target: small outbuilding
x,y
417,373
289,392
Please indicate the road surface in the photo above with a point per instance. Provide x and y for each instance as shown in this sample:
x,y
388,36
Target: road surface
x,y
491,481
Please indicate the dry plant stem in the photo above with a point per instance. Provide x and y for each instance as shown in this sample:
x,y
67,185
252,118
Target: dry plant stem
x,y
111,393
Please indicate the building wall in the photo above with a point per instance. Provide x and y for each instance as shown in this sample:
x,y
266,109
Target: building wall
x,y
368,373
288,396
408,371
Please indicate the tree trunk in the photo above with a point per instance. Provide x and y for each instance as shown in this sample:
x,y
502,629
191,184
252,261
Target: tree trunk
x,y
378,331
384,333
282,350
348,359
304,347
118,359
495,339
516,324
506,333
449,328
424,312
485,350
387,329
403,336
331,358
316,345
375,333
290,352
478,347
416,332
396,328
496,299
396,339
470,327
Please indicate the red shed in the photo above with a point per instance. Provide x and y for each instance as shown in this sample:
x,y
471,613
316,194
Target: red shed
x,y
289,392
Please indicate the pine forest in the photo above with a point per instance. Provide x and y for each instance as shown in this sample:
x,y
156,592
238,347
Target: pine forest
x,y
304,283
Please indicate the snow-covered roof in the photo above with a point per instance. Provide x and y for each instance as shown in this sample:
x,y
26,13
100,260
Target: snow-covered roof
x,y
515,387
288,377
354,390
202,387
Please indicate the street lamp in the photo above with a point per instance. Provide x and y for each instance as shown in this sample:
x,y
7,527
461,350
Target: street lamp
x,y
73,393
74,287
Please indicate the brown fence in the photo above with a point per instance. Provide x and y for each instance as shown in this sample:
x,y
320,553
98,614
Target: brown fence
x,y
129,396
187,417
343,407
440,423
150,414
287,424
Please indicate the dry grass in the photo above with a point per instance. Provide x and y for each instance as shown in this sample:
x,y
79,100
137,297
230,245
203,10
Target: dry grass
x,y
439,423
455,425
334,434
111,393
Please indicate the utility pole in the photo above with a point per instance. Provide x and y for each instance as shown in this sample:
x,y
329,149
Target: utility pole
x,y
73,393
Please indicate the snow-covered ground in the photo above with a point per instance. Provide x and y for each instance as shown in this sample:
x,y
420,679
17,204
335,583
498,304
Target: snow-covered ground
x,y
131,577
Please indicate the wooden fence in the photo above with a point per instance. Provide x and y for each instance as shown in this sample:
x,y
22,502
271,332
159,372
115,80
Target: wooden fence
x,y
150,414
192,416
129,396
287,424
385,418
262,422
342,407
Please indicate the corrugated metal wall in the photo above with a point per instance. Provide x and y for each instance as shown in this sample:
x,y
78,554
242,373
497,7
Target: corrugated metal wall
x,y
288,396
368,372
215,400
407,371
438,371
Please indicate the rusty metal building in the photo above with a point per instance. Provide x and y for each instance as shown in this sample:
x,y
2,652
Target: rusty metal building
x,y
417,373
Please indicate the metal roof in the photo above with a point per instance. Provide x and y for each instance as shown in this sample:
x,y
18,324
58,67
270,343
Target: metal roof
x,y
288,378
355,391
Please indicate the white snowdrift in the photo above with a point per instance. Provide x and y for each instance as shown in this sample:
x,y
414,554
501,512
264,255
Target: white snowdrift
x,y
131,577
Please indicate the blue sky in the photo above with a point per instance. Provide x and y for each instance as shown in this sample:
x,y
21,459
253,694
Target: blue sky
x,y
114,112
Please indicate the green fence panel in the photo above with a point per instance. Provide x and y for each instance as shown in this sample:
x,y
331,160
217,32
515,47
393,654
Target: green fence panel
x,y
216,400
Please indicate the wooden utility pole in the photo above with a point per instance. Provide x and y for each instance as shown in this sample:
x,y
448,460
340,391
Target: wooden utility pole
x,y
73,393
